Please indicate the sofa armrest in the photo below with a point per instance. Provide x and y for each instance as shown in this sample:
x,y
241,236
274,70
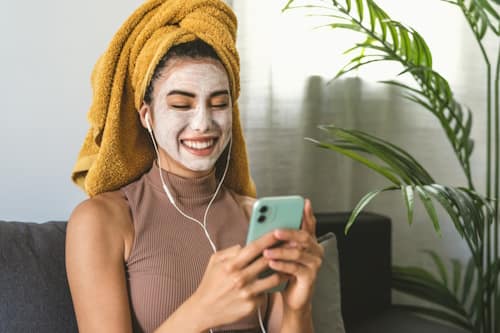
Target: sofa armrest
x,y
365,263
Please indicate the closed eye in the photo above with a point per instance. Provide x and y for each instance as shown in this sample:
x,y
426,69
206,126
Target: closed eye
x,y
180,107
220,106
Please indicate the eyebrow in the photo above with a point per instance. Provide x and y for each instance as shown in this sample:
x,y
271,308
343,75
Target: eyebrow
x,y
188,94
219,93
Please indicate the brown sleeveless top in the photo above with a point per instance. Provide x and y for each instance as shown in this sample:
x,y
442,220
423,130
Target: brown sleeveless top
x,y
170,253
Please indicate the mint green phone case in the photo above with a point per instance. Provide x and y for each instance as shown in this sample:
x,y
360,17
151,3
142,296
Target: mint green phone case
x,y
270,213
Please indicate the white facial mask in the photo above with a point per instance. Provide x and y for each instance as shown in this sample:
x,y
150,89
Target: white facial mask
x,y
192,113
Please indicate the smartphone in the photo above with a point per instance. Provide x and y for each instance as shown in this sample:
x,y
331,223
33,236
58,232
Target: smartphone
x,y
270,213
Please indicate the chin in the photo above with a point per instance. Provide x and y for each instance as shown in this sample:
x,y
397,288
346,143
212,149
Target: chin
x,y
200,167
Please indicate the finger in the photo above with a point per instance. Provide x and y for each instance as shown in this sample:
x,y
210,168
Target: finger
x,y
226,253
294,236
290,268
258,299
309,244
259,286
313,261
251,271
308,221
253,250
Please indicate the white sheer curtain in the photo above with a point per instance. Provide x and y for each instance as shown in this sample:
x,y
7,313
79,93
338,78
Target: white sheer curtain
x,y
285,67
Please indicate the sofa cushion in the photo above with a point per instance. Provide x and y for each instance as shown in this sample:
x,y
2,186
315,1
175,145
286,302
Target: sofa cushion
x,y
34,292
326,306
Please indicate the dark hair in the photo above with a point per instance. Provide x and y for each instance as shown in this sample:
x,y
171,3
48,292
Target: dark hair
x,y
196,49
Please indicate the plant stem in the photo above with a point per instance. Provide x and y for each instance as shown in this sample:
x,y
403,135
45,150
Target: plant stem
x,y
489,164
480,288
487,322
497,176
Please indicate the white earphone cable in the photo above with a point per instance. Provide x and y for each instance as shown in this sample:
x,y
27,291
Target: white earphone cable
x,y
171,199
204,224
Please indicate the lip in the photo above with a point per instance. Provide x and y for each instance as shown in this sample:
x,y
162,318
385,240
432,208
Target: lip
x,y
200,152
200,138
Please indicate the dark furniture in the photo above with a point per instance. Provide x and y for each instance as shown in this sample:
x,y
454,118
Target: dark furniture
x,y
365,277
34,293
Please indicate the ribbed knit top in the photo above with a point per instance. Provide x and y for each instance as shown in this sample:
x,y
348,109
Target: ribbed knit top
x,y
170,253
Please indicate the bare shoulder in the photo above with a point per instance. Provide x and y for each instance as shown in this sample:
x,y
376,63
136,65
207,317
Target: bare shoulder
x,y
245,202
104,211
106,217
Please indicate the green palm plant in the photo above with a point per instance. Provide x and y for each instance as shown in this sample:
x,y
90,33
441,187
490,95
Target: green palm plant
x,y
469,296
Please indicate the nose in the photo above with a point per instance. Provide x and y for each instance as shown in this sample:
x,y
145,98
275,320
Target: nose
x,y
202,121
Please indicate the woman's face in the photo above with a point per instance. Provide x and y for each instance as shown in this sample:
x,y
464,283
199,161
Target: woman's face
x,y
192,115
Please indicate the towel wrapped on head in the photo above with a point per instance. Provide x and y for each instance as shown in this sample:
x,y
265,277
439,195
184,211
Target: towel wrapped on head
x,y
117,149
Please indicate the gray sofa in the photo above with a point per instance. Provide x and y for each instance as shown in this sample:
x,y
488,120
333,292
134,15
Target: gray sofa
x,y
34,293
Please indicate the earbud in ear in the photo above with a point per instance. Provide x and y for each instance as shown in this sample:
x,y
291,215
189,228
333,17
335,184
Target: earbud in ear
x,y
148,124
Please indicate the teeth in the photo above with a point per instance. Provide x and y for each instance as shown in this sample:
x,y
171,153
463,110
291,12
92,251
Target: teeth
x,y
199,144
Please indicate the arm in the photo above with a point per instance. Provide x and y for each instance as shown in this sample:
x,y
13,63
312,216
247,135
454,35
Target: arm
x,y
288,321
95,269
95,254
298,321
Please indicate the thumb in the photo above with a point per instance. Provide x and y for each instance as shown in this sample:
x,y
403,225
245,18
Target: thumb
x,y
309,221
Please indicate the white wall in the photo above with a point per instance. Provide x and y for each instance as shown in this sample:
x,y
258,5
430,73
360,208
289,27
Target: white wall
x,y
48,49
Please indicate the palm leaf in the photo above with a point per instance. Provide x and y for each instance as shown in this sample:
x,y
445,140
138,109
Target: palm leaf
x,y
382,19
439,265
457,274
407,47
422,284
359,5
350,152
287,6
373,18
429,207
419,283
436,313
468,279
480,14
348,26
397,159
409,201
448,202
466,208
365,200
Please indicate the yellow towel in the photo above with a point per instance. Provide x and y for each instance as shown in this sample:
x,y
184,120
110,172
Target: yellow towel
x,y
117,149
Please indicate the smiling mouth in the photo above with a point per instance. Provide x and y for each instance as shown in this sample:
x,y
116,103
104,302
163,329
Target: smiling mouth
x,y
199,145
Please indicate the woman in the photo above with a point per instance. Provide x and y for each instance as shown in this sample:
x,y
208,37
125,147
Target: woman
x,y
165,251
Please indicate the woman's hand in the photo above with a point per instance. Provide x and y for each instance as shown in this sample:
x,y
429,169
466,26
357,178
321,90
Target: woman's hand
x,y
230,289
299,258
